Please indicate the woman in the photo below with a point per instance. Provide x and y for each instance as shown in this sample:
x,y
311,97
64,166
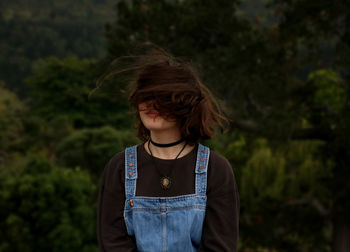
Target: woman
x,y
169,193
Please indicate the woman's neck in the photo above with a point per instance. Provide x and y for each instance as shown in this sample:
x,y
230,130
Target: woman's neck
x,y
165,137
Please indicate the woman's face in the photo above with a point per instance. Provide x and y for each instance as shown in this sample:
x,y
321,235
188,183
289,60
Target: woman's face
x,y
152,120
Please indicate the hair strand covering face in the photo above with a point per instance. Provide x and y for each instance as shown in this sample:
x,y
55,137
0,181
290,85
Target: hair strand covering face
x,y
175,90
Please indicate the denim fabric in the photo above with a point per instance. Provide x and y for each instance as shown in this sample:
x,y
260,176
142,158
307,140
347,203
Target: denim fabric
x,y
165,224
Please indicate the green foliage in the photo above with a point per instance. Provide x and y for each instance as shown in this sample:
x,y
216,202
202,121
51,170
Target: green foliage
x,y
10,124
285,197
30,30
235,147
90,149
46,208
44,135
263,176
61,89
284,189
330,96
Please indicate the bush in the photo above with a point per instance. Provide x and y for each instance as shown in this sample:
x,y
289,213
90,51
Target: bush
x,y
91,149
47,208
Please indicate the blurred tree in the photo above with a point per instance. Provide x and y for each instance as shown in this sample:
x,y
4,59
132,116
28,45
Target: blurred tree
x,y
285,198
30,30
91,149
329,115
61,88
315,24
42,135
11,126
46,208
61,101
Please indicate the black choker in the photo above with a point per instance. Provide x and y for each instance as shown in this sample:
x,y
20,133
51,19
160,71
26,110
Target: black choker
x,y
168,144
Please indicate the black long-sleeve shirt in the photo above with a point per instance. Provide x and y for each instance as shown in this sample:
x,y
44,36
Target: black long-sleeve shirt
x,y
220,229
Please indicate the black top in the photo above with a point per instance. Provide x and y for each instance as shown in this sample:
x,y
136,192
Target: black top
x,y
220,229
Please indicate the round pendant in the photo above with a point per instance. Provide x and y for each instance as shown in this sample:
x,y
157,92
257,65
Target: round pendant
x,y
165,183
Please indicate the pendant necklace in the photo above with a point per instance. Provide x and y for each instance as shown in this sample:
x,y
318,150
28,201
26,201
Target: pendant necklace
x,y
165,179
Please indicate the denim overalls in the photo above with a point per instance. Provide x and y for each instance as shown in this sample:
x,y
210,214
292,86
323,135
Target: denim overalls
x,y
162,224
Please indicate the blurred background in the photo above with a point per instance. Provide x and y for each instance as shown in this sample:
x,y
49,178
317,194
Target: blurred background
x,y
281,67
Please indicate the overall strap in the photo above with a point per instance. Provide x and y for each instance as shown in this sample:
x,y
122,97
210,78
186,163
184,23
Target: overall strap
x,y
130,171
201,169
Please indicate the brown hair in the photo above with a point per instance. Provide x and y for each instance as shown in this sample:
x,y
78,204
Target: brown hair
x,y
176,91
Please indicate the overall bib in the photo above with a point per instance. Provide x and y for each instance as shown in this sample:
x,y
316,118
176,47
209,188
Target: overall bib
x,y
165,224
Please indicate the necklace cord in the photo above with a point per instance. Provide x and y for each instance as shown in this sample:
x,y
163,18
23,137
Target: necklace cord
x,y
172,164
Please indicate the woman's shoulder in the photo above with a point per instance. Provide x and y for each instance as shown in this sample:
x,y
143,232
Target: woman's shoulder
x,y
221,179
118,159
219,162
114,169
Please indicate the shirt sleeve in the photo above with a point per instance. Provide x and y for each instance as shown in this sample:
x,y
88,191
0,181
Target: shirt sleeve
x,y
221,223
111,229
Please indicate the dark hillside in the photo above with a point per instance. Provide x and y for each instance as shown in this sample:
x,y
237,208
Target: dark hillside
x,y
35,29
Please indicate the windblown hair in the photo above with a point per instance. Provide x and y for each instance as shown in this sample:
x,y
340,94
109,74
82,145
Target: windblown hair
x,y
174,89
